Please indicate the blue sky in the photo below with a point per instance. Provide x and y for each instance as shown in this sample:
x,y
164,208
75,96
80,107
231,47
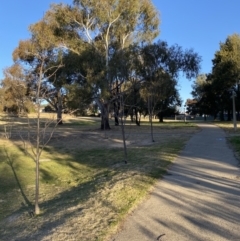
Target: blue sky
x,y
197,24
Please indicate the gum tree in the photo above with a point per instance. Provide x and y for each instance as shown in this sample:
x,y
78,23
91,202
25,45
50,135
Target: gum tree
x,y
226,72
104,27
161,66
15,89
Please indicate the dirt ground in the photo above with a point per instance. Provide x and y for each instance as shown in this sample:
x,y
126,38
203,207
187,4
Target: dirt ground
x,y
135,136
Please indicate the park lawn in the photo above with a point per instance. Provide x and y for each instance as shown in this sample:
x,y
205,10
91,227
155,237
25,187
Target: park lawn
x,y
235,142
228,127
86,190
233,137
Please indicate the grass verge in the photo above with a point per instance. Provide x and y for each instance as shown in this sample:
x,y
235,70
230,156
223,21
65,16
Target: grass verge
x,y
85,191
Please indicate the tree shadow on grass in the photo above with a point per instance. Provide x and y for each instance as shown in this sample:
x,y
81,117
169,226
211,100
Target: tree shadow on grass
x,y
55,213
68,204
10,162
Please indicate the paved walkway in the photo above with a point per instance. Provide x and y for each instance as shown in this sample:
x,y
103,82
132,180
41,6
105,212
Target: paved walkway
x,y
199,199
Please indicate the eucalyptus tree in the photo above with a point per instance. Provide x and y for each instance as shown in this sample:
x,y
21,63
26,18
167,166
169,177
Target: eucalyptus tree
x,y
68,89
79,90
172,60
127,82
106,27
36,53
14,87
226,71
160,69
192,107
206,100
226,62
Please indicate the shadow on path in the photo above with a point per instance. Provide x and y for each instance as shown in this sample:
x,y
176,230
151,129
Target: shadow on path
x,y
198,199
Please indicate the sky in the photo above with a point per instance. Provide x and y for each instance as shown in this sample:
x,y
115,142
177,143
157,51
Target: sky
x,y
197,24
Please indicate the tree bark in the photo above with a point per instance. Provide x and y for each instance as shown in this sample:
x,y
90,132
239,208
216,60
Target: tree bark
x,y
137,120
123,130
150,115
116,113
105,117
131,115
59,108
104,114
124,141
37,209
222,116
161,117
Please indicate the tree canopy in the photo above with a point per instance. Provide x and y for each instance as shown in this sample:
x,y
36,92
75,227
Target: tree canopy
x,y
214,93
96,51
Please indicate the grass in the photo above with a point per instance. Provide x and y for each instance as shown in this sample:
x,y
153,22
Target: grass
x,y
233,136
235,141
86,189
228,127
13,123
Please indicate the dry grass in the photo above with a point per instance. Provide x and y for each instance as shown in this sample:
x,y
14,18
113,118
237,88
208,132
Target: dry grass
x,y
228,127
233,136
86,189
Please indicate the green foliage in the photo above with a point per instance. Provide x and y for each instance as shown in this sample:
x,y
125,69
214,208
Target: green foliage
x,y
96,30
14,91
214,93
172,60
204,97
226,63
226,72
160,68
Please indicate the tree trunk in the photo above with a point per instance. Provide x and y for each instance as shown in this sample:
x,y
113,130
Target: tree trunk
x,y
124,141
59,117
131,115
105,117
222,116
59,109
37,158
161,118
150,115
37,209
104,114
123,129
137,120
116,113
151,127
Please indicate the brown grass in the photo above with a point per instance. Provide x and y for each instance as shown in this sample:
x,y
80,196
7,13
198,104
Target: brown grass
x,y
86,189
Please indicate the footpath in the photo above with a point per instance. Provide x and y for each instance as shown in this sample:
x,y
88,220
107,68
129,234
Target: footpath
x,y
198,200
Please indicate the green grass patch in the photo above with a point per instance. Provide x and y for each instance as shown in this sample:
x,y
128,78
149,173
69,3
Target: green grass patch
x,y
235,142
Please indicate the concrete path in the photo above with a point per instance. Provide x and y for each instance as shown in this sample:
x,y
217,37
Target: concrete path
x,y
199,199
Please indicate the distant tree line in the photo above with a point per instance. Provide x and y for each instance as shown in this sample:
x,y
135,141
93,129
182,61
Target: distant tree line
x,y
213,92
